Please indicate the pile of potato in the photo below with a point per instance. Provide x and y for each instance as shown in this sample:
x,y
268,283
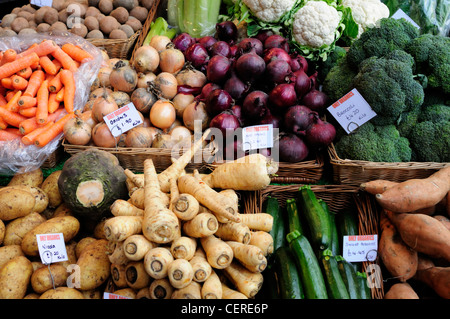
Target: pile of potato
x,y
93,19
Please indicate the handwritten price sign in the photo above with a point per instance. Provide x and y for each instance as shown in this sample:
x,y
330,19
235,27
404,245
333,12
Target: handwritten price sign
x,y
257,137
52,248
123,119
360,248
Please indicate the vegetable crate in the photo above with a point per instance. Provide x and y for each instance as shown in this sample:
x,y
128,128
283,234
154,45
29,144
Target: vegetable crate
x,y
338,198
355,172
122,48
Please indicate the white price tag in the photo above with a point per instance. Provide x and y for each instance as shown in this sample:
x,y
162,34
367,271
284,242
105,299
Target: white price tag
x,y
351,111
52,248
108,295
42,3
257,137
399,14
123,119
360,248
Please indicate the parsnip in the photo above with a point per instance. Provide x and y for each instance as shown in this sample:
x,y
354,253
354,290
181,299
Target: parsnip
x,y
247,282
202,269
136,275
250,256
234,231
119,228
180,273
136,246
183,247
202,225
258,221
122,207
161,289
218,253
263,240
156,262
212,287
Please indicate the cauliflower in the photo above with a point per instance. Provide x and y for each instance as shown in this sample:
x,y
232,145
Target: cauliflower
x,y
316,24
366,13
269,10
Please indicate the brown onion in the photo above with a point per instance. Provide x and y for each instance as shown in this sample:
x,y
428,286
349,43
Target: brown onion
x,y
139,137
162,114
86,116
143,99
179,133
166,84
171,60
146,59
77,131
196,111
191,77
163,140
123,77
160,42
181,101
144,79
102,106
102,136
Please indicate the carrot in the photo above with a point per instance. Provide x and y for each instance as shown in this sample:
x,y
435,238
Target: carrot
x,y
28,112
438,278
13,130
26,101
202,269
3,100
18,82
3,124
35,81
7,83
25,73
230,293
12,118
219,204
68,80
401,290
31,137
7,136
118,228
160,224
263,240
121,207
202,225
60,95
53,131
53,104
44,48
47,64
183,247
185,206
160,289
76,53
66,61
57,64
156,261
191,291
9,55
55,83
15,66
136,246
258,221
42,103
218,253
250,256
12,104
178,166
238,232
180,273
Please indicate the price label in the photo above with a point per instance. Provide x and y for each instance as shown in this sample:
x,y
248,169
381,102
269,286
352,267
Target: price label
x,y
108,295
123,119
360,248
42,3
351,111
257,137
399,14
52,248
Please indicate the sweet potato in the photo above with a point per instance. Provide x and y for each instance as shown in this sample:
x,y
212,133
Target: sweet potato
x,y
444,220
401,290
377,186
15,276
415,194
438,278
423,233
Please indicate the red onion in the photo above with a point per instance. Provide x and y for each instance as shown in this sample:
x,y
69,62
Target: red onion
x,y
237,111
233,150
220,48
251,44
218,69
302,83
297,119
275,54
292,148
218,101
197,55
250,66
183,41
233,51
278,71
282,96
316,100
320,133
227,31
255,105
263,35
269,118
186,89
314,80
225,122
207,41
298,62
207,89
235,86
276,41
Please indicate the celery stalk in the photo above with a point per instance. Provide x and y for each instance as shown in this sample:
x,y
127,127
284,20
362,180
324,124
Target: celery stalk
x,y
159,27
201,22
172,13
180,15
190,16
214,10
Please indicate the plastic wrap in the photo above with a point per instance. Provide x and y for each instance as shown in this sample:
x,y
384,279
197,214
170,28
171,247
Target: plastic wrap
x,y
16,157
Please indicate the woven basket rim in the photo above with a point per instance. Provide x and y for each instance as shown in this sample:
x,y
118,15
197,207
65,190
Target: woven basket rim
x,y
130,40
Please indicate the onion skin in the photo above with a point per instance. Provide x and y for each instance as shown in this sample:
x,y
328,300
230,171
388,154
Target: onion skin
x,y
276,41
102,137
196,111
250,66
171,60
225,121
282,96
102,106
183,41
254,106
227,31
146,59
197,54
292,148
162,114
77,131
140,137
320,133
218,101
297,119
218,69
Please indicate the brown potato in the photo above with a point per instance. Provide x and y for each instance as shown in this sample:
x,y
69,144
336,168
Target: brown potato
x,y
50,187
9,252
71,255
15,276
92,294
82,244
32,295
126,292
17,228
32,178
67,225
62,293
44,278
15,203
40,196
2,231
95,267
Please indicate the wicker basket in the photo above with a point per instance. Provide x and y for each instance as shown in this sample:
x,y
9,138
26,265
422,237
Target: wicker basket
x,y
53,159
355,172
338,198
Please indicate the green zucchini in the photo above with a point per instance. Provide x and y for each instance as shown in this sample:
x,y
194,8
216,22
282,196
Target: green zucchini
x,y
347,224
316,217
348,274
364,288
293,221
272,207
333,279
271,288
288,276
309,268
335,245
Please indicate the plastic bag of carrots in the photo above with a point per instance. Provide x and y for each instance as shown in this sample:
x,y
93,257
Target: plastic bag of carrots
x,y
44,79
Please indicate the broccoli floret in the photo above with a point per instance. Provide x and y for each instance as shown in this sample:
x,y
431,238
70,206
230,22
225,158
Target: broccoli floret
x,y
407,121
389,35
435,113
338,81
374,143
388,85
432,56
431,141
324,67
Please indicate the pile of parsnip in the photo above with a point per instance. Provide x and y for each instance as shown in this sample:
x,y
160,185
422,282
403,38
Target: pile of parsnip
x,y
181,235
414,243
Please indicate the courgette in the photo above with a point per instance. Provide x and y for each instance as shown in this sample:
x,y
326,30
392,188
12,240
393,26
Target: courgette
x,y
293,221
278,233
316,217
335,242
348,274
333,279
364,288
309,268
347,225
289,281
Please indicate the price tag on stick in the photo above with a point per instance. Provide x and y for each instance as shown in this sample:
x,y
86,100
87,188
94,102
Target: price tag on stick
x,y
123,119
351,111
52,248
360,248
257,137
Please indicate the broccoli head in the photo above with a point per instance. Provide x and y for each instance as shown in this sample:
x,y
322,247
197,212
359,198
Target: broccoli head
x,y
374,143
431,141
388,85
389,35
435,113
324,67
338,81
432,56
